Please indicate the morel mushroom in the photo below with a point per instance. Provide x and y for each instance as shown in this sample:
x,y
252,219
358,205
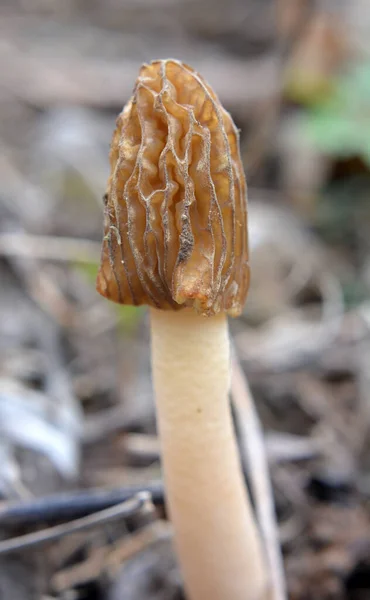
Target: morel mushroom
x,y
176,240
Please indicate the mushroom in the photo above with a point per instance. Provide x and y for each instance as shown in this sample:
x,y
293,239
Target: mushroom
x,y
175,238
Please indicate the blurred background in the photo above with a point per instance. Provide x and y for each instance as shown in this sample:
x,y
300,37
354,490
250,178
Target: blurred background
x,y
76,404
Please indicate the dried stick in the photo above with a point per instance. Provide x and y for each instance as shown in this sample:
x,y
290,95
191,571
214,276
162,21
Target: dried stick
x,y
72,505
253,450
108,561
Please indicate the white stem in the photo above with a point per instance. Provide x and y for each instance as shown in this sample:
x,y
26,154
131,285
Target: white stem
x,y
215,533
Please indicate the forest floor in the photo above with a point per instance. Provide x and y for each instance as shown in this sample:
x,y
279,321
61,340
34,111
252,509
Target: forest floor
x,y
77,421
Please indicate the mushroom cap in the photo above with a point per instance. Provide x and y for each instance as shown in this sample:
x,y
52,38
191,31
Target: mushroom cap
x,y
175,225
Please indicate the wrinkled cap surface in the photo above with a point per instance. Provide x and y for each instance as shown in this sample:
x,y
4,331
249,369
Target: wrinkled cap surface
x,y
175,225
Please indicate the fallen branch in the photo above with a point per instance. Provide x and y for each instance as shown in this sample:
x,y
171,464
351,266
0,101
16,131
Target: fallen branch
x,y
72,505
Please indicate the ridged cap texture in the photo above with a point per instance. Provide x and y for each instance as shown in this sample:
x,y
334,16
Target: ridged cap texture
x,y
175,224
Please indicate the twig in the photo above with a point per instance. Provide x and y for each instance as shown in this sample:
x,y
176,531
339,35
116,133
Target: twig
x,y
49,248
72,505
254,450
136,543
108,560
80,573
121,511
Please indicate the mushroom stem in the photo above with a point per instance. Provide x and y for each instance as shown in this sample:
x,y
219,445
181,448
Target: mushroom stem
x,y
215,532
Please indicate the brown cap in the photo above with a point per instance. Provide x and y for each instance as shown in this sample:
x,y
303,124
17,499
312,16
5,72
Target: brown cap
x,y
175,229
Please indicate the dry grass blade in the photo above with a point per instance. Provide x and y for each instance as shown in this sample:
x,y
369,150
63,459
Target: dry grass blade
x,y
254,450
115,513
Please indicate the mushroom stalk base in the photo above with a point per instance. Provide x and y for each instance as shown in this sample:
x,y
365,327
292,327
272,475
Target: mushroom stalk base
x,y
215,533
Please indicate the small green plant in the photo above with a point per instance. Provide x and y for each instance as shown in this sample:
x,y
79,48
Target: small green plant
x,y
340,124
339,127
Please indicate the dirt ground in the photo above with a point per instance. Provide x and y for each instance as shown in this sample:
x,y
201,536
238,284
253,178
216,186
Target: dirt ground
x,y
77,422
